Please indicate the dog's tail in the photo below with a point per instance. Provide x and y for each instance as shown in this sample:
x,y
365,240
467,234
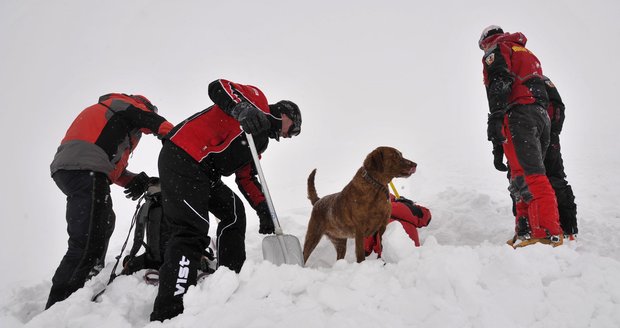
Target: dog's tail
x,y
312,196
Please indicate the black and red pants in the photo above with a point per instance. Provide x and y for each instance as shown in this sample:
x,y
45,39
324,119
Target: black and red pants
x,y
527,132
190,191
563,191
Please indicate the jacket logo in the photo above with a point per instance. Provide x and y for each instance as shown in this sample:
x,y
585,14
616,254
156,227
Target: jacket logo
x,y
490,59
519,48
182,276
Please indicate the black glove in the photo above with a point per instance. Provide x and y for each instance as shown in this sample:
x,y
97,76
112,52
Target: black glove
x,y
495,126
137,186
266,223
415,210
252,119
498,158
557,121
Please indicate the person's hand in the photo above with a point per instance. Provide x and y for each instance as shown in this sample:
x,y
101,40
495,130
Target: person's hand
x,y
252,119
415,209
266,223
557,120
137,186
495,128
402,199
498,158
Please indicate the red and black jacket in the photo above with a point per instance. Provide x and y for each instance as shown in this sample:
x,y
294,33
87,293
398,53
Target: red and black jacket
x,y
512,73
214,138
410,215
556,106
103,136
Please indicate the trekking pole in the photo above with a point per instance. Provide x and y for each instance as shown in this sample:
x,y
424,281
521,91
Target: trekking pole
x,y
118,258
394,190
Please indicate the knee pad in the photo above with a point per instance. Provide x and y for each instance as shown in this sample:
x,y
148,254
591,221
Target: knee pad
x,y
519,189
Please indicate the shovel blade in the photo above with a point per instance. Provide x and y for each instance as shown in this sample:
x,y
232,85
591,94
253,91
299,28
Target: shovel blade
x,y
282,249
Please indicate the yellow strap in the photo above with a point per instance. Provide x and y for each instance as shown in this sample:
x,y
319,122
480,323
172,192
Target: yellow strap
x,y
394,189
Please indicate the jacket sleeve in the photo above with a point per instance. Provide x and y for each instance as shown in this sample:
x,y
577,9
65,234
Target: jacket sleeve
x,y
125,177
227,94
557,106
498,79
146,119
249,186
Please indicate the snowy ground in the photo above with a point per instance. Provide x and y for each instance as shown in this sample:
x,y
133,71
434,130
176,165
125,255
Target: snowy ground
x,y
462,276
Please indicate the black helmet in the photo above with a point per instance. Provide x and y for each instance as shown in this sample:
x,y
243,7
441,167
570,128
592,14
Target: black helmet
x,y
487,32
292,111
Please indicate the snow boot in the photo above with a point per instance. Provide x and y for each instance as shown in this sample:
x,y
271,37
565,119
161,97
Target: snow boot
x,y
208,265
554,241
522,232
570,237
151,277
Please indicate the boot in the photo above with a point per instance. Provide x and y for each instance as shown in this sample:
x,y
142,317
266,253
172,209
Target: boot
x,y
554,241
570,237
522,232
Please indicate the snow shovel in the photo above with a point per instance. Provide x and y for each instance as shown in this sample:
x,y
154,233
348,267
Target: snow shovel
x,y
281,248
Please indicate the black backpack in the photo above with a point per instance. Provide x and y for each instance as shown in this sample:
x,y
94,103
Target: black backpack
x,y
152,232
153,227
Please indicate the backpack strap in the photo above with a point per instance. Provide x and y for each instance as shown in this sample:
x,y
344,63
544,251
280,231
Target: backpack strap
x,y
131,262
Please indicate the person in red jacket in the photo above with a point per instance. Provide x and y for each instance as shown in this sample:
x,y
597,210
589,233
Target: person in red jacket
x,y
195,155
94,154
554,167
410,215
519,122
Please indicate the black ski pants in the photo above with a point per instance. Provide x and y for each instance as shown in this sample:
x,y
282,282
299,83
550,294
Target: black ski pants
x,y
90,223
189,192
563,191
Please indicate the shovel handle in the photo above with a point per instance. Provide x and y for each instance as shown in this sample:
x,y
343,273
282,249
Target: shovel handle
x,y
263,182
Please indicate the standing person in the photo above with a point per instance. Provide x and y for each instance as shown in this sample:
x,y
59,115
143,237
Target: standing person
x,y
195,155
518,121
554,166
94,154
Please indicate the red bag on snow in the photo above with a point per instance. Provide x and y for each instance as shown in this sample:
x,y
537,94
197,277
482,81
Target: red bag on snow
x,y
410,215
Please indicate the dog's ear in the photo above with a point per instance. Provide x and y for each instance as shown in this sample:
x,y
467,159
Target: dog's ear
x,y
374,161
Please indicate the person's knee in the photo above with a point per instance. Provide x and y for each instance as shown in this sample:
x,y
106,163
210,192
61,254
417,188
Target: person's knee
x,y
519,189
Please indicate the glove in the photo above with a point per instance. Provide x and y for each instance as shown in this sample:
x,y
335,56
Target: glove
x,y
495,127
498,158
266,223
557,121
252,119
415,209
137,186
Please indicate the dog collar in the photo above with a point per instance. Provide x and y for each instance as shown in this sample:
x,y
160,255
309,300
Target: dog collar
x,y
377,184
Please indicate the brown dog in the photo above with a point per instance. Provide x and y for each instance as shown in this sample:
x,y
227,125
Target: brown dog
x,y
361,208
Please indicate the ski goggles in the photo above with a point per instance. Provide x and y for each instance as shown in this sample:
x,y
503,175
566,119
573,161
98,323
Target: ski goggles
x,y
294,129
